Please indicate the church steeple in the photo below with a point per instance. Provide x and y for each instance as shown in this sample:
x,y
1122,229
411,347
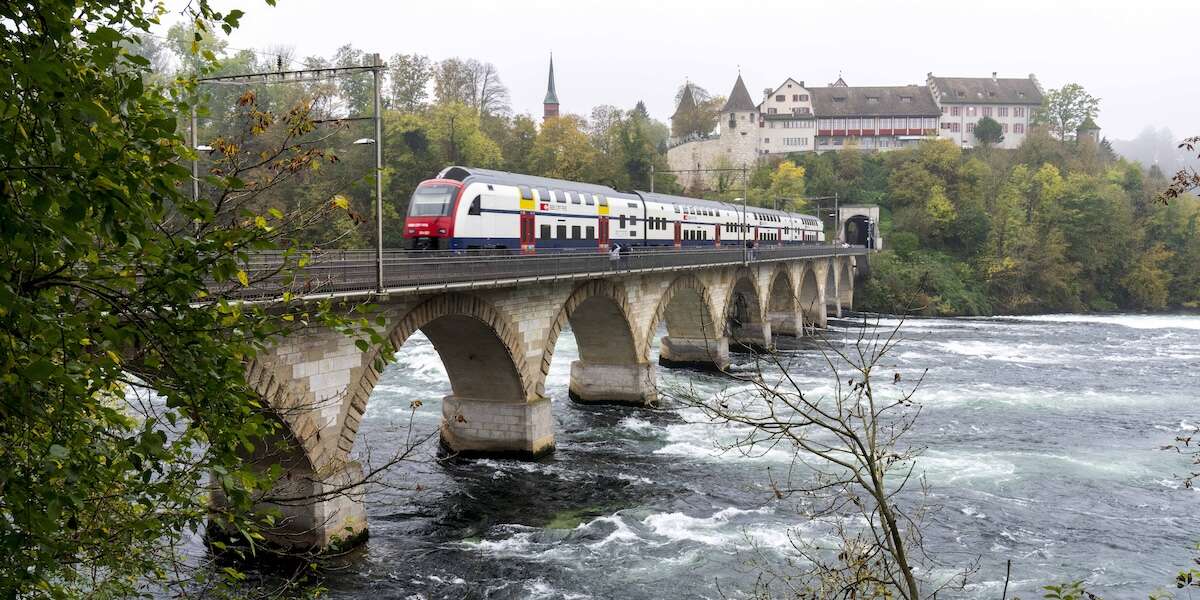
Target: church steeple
x,y
550,104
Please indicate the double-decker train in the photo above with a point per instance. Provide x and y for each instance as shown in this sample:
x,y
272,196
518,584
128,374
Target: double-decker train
x,y
466,208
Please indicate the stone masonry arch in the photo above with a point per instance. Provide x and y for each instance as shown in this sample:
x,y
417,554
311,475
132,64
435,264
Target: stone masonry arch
x,y
832,300
846,284
783,308
812,307
612,365
693,338
744,313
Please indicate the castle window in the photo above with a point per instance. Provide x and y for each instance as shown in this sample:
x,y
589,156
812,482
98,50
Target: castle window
x,y
771,111
955,111
906,99
872,99
804,97
780,97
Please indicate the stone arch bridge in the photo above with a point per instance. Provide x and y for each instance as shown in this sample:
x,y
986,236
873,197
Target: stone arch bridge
x,y
496,339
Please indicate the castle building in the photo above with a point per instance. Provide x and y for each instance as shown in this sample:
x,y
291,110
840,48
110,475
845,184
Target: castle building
x,y
965,100
550,103
793,117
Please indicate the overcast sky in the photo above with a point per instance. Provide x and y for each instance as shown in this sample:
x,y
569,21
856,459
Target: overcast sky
x,y
1142,58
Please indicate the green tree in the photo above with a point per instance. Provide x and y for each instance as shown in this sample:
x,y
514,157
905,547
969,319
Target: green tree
x,y
116,283
562,150
988,132
1065,108
408,80
787,183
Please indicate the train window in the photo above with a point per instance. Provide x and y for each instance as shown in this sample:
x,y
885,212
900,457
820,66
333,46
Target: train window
x,y
576,198
542,194
475,206
559,197
525,193
622,220
633,221
561,232
633,205
576,232
676,208
588,199
603,201
545,232
591,232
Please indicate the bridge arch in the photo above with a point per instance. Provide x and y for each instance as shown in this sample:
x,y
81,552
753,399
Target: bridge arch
x,y
846,284
743,315
612,365
812,308
693,338
481,351
783,308
832,301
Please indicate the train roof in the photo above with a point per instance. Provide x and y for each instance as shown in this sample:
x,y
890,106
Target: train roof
x,y
466,174
734,206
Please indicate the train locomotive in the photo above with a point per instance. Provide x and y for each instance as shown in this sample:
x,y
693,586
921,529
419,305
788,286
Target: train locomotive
x,y
464,208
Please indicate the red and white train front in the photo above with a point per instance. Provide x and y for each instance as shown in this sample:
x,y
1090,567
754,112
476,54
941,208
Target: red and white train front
x,y
430,221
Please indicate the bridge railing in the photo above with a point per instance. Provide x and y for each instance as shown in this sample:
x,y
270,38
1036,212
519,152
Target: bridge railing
x,y
334,272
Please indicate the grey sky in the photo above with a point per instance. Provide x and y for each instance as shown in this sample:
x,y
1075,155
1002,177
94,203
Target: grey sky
x,y
1140,57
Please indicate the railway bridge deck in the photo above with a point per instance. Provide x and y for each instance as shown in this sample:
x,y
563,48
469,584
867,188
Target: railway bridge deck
x,y
494,321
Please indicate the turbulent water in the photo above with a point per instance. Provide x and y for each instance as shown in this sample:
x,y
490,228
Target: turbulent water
x,y
1043,439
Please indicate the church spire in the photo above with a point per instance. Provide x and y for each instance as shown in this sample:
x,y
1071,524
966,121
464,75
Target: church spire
x,y
550,104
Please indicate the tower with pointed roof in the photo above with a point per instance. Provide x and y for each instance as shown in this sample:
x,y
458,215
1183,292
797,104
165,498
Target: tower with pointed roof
x,y
682,121
550,104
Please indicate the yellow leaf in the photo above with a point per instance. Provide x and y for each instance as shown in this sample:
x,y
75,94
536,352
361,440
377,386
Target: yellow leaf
x,y
341,202
242,277
113,356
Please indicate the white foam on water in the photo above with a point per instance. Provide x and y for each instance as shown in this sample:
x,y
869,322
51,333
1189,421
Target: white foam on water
x,y
1034,354
622,534
950,468
638,426
1131,321
634,478
677,526
539,589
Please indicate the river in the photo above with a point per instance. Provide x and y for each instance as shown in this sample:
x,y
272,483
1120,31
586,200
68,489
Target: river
x,y
1042,439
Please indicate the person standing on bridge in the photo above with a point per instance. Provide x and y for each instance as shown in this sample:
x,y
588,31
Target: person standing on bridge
x,y
614,255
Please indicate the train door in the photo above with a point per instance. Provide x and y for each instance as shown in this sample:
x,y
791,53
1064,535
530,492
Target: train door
x,y
603,235
678,234
717,235
528,233
755,238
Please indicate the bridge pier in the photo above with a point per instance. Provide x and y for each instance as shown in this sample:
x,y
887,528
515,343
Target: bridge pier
x,y
312,511
478,427
752,337
786,323
699,353
598,383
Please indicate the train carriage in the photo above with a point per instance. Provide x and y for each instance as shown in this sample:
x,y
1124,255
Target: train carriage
x,y
466,209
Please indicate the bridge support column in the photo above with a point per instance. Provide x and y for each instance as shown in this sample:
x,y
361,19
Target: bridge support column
x,y
786,323
700,353
629,384
477,427
315,511
752,337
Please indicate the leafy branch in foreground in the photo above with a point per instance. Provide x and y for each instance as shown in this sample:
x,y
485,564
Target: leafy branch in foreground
x,y
123,346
